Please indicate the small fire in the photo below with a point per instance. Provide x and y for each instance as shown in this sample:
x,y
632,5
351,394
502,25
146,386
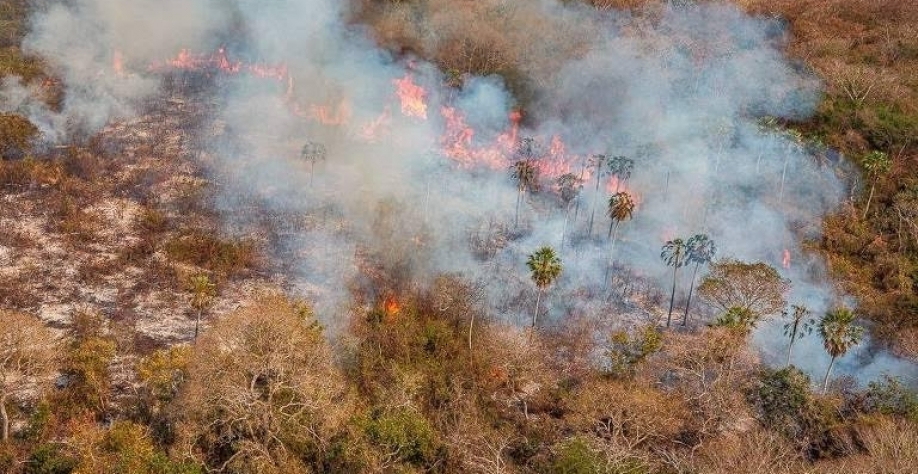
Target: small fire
x,y
391,306
786,260
118,63
371,131
412,97
328,115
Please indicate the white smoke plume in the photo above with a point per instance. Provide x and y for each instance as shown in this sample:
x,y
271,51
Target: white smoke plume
x,y
681,92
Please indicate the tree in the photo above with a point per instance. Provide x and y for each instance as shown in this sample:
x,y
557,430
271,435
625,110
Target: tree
x,y
621,208
569,187
599,163
313,152
673,255
621,167
262,393
839,333
753,287
700,250
798,327
26,354
545,267
202,292
875,164
524,172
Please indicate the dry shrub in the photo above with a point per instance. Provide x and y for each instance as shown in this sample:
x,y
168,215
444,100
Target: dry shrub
x,y
223,257
629,415
753,452
262,394
891,448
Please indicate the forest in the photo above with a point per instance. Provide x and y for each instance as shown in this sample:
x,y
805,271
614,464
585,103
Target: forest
x,y
492,236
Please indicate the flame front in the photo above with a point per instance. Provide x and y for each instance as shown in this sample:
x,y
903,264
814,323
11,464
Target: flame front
x,y
786,260
412,97
391,306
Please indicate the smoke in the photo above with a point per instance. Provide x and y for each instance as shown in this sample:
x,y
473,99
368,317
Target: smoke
x,y
682,91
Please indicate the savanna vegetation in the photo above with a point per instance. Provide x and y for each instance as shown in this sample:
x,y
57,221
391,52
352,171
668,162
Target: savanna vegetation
x,y
427,380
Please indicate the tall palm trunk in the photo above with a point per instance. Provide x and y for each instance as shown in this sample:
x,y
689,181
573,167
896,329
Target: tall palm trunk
x,y
870,197
471,324
790,345
690,291
593,213
672,297
519,198
612,251
825,382
536,313
783,177
567,214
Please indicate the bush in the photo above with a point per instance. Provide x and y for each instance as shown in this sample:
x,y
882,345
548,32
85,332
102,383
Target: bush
x,y
212,253
16,135
405,432
49,459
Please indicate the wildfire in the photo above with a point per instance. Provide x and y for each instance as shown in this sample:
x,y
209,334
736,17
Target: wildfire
x,y
189,61
118,63
328,115
786,260
391,306
370,131
412,97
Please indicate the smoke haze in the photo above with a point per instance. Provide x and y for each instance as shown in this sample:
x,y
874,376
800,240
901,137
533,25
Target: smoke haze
x,y
681,91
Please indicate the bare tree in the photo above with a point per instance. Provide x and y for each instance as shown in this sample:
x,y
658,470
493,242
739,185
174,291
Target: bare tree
x,y
261,388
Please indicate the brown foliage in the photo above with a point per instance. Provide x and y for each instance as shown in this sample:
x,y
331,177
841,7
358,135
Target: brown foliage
x,y
262,391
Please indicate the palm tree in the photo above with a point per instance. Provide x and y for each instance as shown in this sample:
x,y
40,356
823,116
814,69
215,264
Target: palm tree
x,y
202,292
545,267
313,152
621,208
569,186
798,327
700,250
621,167
599,164
875,163
838,335
524,171
673,254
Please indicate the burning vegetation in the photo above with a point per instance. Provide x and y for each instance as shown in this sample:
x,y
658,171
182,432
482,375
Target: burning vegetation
x,y
404,237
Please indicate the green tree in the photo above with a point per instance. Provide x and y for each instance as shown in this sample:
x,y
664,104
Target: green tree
x,y
839,333
620,209
203,292
545,267
700,250
875,163
798,327
673,255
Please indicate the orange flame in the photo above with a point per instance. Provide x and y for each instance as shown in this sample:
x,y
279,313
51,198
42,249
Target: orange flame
x,y
326,115
118,63
412,97
391,306
786,260
371,131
